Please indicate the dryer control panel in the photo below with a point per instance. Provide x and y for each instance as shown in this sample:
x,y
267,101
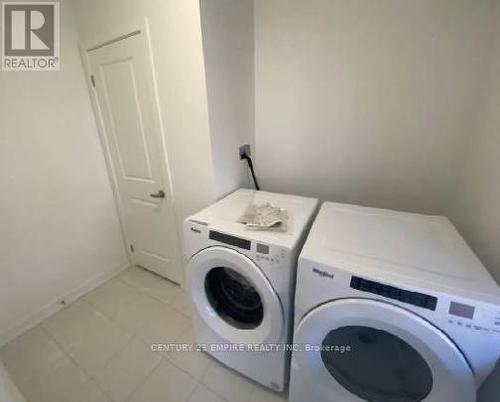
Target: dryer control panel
x,y
455,312
391,292
478,318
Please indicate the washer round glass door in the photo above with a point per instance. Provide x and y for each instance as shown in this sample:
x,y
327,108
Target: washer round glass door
x,y
234,297
364,350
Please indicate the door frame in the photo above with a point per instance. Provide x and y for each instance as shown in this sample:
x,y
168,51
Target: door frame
x,y
112,35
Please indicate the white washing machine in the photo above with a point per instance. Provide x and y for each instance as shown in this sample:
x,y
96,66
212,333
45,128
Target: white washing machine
x,y
242,283
391,307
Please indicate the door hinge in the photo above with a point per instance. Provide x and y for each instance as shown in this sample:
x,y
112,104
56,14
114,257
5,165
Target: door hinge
x,y
131,248
92,80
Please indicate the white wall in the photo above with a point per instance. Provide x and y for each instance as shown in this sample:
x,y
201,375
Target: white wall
x,y
59,232
367,101
227,27
476,209
179,68
201,159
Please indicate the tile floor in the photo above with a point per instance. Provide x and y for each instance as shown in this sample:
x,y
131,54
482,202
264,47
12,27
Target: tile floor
x,y
97,349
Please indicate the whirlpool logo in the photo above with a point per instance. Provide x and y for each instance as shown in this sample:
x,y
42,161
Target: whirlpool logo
x,y
30,33
324,274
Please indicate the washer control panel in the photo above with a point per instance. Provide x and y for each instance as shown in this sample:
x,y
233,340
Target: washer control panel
x,y
265,254
231,240
258,251
262,248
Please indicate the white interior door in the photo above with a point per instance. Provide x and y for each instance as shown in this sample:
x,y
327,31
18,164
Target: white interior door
x,y
124,85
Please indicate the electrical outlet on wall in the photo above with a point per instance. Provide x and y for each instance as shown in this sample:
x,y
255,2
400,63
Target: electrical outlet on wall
x,y
245,149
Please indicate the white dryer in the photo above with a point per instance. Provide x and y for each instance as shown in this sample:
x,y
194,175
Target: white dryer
x,y
391,307
241,283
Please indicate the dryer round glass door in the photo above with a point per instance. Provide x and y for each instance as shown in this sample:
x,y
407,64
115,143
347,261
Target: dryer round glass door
x,y
378,366
233,297
361,350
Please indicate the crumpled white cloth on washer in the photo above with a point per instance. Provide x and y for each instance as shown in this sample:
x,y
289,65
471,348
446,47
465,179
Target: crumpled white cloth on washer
x,y
265,217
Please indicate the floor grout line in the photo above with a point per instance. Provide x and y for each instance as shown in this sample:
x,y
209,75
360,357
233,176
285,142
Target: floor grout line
x,y
145,290
90,377
144,380
68,355
133,336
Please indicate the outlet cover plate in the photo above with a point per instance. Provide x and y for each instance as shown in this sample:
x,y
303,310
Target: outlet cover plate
x,y
245,149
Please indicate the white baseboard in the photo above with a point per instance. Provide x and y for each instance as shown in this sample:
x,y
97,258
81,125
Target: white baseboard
x,y
57,304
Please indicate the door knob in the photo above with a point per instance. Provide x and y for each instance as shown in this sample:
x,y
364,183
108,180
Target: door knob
x,y
159,194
